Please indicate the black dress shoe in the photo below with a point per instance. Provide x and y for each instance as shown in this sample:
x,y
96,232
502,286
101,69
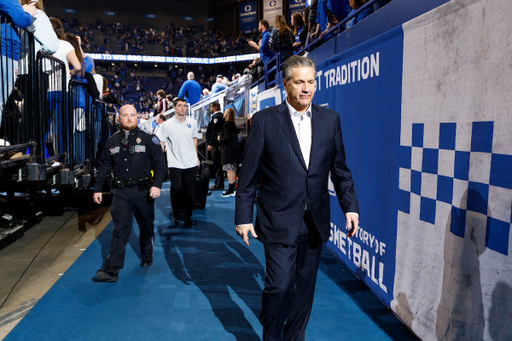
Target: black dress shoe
x,y
188,222
176,220
146,263
106,276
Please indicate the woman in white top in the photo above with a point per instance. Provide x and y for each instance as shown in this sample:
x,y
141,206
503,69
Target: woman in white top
x,y
45,38
65,52
56,95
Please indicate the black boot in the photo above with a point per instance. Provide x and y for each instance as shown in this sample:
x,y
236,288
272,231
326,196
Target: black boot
x,y
230,192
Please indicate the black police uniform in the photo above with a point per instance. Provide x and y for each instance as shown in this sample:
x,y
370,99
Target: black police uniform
x,y
131,159
212,132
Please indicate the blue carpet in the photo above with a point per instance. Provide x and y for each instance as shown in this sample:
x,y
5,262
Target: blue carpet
x,y
205,284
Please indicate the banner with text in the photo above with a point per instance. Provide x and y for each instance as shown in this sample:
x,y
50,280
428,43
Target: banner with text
x,y
356,84
171,60
248,16
295,6
271,8
426,126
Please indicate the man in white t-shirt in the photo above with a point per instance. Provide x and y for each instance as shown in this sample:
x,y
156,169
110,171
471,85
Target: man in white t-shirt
x,y
178,136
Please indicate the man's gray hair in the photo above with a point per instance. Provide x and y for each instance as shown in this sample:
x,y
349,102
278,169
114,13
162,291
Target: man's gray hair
x,y
296,61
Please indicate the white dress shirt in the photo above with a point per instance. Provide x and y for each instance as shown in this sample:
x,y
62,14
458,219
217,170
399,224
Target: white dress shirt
x,y
302,125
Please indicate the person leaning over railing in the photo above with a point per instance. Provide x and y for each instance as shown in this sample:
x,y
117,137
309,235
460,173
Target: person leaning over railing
x,y
328,14
355,5
281,38
300,30
57,95
45,38
21,17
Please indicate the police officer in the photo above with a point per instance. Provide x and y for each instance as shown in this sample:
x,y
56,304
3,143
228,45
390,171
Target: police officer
x,y
128,158
212,132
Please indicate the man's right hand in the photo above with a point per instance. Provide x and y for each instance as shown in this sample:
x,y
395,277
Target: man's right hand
x,y
209,148
243,231
98,197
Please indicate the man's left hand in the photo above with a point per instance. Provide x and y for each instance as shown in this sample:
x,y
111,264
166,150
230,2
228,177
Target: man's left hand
x,y
154,192
352,224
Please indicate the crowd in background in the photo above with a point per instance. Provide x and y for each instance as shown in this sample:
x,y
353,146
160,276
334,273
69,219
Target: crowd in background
x,y
68,41
171,40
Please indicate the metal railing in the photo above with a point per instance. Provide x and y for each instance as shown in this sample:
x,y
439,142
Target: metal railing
x,y
52,122
201,111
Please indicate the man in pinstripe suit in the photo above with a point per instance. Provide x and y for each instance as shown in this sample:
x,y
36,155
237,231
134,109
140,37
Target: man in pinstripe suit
x,y
293,147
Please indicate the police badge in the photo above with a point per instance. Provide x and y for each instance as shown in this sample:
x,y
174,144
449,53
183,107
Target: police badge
x,y
138,140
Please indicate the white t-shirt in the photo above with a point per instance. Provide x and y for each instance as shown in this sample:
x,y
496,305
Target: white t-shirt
x,y
61,54
179,142
98,79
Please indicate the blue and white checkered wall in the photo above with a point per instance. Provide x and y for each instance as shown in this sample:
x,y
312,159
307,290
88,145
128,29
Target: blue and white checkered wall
x,y
468,177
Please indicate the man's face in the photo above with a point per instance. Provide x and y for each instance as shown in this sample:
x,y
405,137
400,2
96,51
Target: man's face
x,y
300,87
213,109
181,108
259,27
128,118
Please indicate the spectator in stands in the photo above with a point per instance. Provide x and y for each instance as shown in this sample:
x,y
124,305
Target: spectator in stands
x,y
79,93
228,141
206,93
355,5
80,72
265,53
160,118
102,87
328,14
169,101
101,84
310,16
300,31
163,105
256,68
218,86
190,90
281,38
45,38
226,82
21,17
65,53
246,76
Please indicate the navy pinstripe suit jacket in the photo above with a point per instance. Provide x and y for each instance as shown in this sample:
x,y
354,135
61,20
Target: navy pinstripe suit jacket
x,y
273,150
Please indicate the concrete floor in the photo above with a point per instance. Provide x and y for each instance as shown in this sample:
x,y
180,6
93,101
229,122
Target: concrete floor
x,y
31,265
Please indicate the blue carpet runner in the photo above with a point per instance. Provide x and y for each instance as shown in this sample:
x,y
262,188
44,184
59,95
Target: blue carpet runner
x,y
204,284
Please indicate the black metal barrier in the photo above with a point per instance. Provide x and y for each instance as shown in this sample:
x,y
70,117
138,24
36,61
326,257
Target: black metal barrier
x,y
51,107
88,128
11,98
50,132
